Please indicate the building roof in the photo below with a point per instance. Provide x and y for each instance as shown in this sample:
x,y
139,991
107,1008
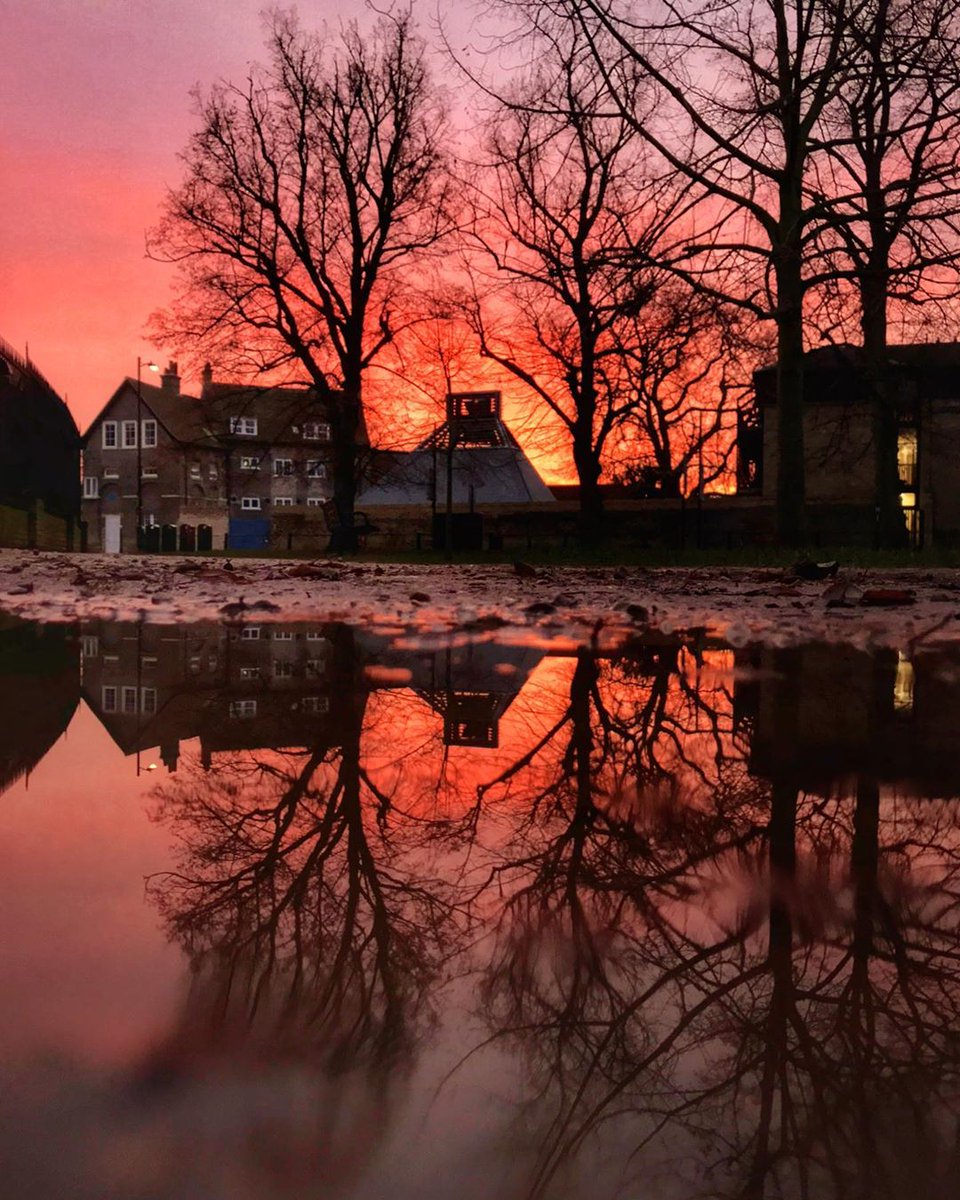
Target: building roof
x,y
493,474
839,371
204,420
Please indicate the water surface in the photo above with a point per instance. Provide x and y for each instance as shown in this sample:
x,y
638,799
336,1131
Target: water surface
x,y
294,910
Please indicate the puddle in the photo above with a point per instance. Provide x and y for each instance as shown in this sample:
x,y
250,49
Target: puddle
x,y
298,910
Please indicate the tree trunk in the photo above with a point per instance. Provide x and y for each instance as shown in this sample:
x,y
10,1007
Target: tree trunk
x,y
343,536
791,487
891,529
591,502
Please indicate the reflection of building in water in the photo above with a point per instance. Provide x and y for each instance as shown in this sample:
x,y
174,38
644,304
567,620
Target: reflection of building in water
x,y
232,686
40,687
818,713
471,685
249,686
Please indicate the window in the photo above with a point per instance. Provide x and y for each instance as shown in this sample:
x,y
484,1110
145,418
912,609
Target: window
x,y
282,635
110,435
111,474
108,697
283,466
315,667
315,704
314,635
250,633
129,435
91,487
907,456
244,426
316,431
315,501
195,664
149,473
195,471
213,475
249,672
283,501
89,645
282,669
316,468
250,503
148,433
249,463
148,701
243,708
129,699
211,662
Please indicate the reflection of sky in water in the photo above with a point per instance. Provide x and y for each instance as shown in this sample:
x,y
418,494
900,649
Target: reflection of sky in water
x,y
395,917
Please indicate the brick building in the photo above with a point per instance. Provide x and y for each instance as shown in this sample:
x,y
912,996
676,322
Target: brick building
x,y
239,466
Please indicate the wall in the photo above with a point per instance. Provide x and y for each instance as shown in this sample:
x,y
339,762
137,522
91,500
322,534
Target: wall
x,y
22,529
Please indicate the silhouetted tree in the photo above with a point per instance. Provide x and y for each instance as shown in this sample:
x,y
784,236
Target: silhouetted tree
x,y
312,192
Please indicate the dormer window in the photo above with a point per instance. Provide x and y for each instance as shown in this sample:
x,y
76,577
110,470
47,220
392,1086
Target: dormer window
x,y
316,431
244,426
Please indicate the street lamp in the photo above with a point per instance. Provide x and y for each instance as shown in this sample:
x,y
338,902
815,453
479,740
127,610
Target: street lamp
x,y
151,366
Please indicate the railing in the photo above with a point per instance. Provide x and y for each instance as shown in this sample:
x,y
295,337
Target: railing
x,y
23,363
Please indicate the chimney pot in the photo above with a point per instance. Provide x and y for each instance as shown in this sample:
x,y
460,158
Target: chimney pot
x,y
170,379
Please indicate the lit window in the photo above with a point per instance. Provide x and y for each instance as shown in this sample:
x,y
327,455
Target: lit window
x,y
243,708
250,503
91,487
903,685
283,501
108,696
316,468
316,431
109,435
129,435
149,434
249,463
283,466
244,426
907,458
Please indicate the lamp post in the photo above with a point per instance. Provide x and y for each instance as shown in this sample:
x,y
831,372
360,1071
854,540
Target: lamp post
x,y
151,366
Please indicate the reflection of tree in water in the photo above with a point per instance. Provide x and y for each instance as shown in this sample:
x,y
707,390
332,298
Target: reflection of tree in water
x,y
708,974
785,1045
298,901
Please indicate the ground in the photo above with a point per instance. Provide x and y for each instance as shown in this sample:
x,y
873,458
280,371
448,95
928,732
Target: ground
x,y
894,607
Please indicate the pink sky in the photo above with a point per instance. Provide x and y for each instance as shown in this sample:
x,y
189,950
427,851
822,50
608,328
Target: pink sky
x,y
95,104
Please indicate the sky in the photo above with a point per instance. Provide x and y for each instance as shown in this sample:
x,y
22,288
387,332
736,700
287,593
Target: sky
x,y
94,108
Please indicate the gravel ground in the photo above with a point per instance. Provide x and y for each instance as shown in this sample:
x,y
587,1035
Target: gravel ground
x,y
866,607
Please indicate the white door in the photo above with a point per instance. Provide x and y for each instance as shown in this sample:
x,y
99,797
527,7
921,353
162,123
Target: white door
x,y
111,533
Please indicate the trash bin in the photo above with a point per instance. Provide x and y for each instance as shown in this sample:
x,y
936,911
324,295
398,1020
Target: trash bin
x,y
204,537
168,538
188,539
150,539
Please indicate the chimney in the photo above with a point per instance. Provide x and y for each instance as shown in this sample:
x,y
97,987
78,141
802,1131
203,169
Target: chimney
x,y
170,380
207,378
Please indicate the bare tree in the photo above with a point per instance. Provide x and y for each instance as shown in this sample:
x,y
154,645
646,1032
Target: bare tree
x,y
888,178
569,298
739,90
311,193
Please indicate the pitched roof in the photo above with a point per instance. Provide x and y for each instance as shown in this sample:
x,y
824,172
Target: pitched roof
x,y
205,420
495,474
